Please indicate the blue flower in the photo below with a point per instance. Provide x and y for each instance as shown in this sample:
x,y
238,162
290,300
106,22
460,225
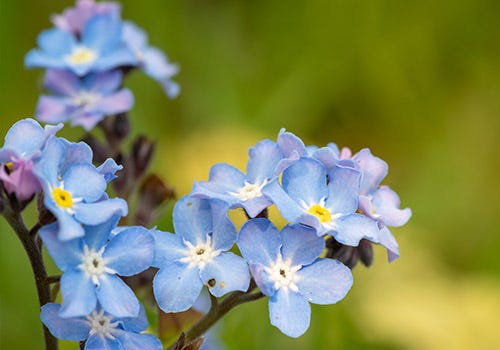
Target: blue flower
x,y
91,266
329,207
286,268
239,190
74,188
23,145
197,255
84,101
100,48
100,329
151,60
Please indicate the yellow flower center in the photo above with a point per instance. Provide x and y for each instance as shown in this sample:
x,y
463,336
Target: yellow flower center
x,y
9,166
320,212
62,198
81,55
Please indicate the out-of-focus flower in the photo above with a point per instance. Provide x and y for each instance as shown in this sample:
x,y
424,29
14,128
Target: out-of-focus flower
x,y
239,190
84,101
330,208
74,191
286,268
23,145
99,48
196,255
151,60
91,266
101,330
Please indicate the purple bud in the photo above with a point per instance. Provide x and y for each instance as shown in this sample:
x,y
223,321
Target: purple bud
x,y
142,151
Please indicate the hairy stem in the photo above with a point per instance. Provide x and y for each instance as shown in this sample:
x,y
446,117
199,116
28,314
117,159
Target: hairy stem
x,y
28,241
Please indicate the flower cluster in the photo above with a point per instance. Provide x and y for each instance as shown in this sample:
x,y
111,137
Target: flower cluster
x,y
86,55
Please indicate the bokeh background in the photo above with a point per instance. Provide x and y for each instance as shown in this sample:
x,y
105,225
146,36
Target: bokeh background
x,y
418,82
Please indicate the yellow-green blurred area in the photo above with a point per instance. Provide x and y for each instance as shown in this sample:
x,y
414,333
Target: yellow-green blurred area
x,y
418,82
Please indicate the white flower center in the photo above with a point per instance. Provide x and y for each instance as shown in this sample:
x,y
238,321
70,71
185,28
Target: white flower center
x,y
249,191
100,324
200,254
94,265
81,55
85,99
283,274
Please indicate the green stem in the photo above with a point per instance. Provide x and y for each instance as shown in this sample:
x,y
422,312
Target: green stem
x,y
28,241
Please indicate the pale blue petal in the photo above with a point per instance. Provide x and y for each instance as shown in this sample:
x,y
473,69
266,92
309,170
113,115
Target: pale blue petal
x,y
78,293
301,244
99,342
52,109
26,137
121,56
116,297
84,181
69,228
98,212
343,190
263,159
96,236
224,178
324,282
56,42
328,156
65,254
228,271
134,36
76,152
373,170
256,205
176,287
290,144
305,181
290,312
352,228
156,65
259,242
134,341
387,240
37,58
108,169
287,206
102,32
75,329
130,252
61,82
386,204
168,248
223,229
262,279
137,323
192,219
105,82
118,102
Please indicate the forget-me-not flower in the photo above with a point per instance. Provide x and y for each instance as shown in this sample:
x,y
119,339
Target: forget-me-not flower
x,y
329,207
23,145
150,59
287,268
74,190
100,329
197,255
91,266
84,101
239,190
100,48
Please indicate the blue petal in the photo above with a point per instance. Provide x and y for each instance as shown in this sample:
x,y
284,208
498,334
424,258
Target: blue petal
x,y
228,271
56,42
78,292
328,156
287,206
168,248
47,167
352,228
387,240
291,144
223,178
137,323
290,312
37,58
121,56
263,159
61,82
343,190
98,212
192,219
65,254
75,329
108,169
26,137
76,152
96,236
134,341
324,282
52,109
305,181
102,32
176,287
262,279
386,204
84,181
69,228
301,244
99,342
116,297
134,36
130,252
118,102
373,170
156,65
105,82
259,242
255,206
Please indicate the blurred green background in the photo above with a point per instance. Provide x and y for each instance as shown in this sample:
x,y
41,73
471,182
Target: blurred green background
x,y
418,82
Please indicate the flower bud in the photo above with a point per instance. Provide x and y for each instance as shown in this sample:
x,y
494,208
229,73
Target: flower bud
x,y
152,193
142,151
